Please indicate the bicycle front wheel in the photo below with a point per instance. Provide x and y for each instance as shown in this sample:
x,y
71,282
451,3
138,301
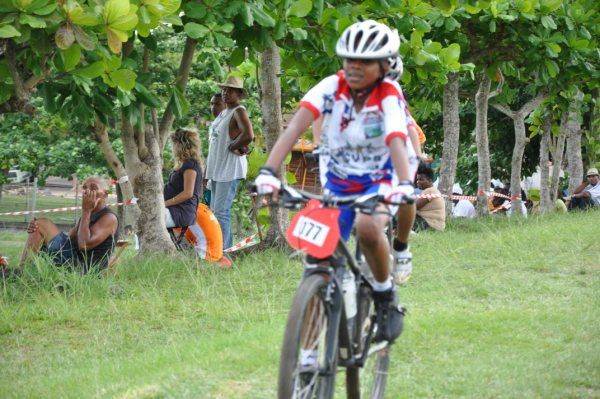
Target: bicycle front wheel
x,y
368,381
308,361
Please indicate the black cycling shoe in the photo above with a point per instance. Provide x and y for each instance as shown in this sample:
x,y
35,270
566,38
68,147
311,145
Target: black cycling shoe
x,y
389,316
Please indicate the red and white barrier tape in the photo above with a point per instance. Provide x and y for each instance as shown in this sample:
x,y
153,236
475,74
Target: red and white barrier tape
x,y
65,209
246,242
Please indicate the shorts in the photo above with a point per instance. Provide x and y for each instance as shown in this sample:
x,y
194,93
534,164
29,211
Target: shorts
x,y
352,185
60,248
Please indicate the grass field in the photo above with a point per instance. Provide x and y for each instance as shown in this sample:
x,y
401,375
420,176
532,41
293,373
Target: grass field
x,y
497,309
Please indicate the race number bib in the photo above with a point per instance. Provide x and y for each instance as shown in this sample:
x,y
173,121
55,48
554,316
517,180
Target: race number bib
x,y
311,230
315,230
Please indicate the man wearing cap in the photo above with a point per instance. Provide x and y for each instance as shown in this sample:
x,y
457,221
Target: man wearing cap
x,y
462,208
226,165
587,194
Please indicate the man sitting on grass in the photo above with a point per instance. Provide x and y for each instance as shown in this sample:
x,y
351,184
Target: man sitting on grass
x,y
587,194
89,244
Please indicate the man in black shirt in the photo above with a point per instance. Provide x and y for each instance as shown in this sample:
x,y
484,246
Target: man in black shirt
x,y
89,243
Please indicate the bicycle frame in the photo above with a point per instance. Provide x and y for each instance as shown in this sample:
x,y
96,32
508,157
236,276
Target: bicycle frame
x,y
338,322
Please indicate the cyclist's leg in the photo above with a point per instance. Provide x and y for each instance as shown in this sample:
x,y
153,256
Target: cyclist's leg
x,y
373,242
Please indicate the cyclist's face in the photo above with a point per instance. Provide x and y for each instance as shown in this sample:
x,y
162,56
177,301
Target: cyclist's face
x,y
361,74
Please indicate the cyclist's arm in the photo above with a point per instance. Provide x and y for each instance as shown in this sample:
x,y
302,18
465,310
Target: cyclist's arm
x,y
299,123
399,157
413,135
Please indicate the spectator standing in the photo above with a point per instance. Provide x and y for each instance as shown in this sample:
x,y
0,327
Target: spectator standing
x,y
462,208
431,212
184,188
226,166
587,194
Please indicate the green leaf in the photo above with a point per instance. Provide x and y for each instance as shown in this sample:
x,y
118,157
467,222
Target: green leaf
x,y
124,78
145,97
115,9
195,31
547,6
548,22
433,47
32,21
552,49
5,75
246,15
84,40
125,23
450,55
45,10
290,177
224,41
116,38
237,56
7,31
226,27
299,34
179,104
64,37
579,44
71,57
6,92
300,8
552,68
262,18
195,10
78,17
91,71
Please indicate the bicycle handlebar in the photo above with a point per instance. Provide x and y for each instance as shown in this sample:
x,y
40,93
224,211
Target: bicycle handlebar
x,y
291,197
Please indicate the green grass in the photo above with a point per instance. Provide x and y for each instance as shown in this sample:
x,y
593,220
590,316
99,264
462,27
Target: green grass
x,y
497,309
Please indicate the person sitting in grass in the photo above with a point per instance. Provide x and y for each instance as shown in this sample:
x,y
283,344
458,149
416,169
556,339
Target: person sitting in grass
x,y
431,212
587,194
89,244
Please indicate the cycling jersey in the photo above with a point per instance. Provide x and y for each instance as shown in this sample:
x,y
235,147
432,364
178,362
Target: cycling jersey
x,y
357,141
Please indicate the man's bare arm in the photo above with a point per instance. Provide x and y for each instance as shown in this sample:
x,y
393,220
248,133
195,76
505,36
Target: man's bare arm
x,y
246,133
90,238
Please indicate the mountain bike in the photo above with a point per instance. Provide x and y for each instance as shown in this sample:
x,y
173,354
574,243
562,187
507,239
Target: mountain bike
x,y
332,316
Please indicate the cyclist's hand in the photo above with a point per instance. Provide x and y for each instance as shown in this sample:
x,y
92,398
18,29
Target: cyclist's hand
x,y
267,183
402,193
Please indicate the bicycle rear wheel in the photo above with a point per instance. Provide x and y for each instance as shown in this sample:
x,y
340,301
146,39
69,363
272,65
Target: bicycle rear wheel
x,y
308,331
369,380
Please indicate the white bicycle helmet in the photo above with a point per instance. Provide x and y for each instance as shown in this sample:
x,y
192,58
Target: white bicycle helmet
x,y
396,68
368,40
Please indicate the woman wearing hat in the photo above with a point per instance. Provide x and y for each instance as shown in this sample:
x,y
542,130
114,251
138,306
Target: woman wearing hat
x,y
226,165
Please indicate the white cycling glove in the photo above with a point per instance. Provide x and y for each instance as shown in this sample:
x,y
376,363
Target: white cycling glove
x,y
266,182
402,193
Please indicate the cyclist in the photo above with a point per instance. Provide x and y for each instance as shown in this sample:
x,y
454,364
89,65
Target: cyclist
x,y
364,133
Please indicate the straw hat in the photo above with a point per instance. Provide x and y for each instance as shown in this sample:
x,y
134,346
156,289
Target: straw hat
x,y
592,172
235,82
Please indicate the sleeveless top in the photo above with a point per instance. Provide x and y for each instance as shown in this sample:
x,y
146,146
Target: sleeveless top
x,y
222,165
98,256
184,214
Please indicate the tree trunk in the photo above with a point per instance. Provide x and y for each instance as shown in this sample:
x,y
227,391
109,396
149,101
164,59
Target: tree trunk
x,y
573,138
516,163
272,123
483,149
451,138
558,151
143,160
521,141
130,212
546,203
